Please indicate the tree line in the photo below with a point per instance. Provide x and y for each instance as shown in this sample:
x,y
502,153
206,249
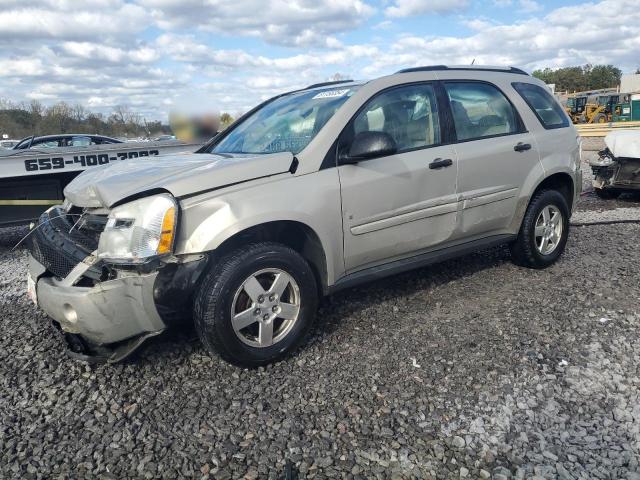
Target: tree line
x,y
577,79
22,120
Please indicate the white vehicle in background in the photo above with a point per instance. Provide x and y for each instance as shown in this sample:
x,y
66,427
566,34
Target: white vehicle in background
x,y
35,171
65,140
617,168
8,143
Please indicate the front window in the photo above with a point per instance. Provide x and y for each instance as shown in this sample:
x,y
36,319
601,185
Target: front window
x,y
286,124
408,114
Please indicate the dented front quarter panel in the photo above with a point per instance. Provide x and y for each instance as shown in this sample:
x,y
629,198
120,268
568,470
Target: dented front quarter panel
x,y
313,200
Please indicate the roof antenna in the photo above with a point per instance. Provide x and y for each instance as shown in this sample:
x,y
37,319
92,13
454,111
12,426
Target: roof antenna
x,y
473,61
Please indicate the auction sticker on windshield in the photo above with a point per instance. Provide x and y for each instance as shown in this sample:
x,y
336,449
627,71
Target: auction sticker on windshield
x,y
331,93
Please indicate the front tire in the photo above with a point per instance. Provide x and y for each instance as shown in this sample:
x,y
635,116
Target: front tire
x,y
256,304
544,231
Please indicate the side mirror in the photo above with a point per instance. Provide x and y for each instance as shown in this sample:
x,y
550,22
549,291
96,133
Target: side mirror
x,y
368,145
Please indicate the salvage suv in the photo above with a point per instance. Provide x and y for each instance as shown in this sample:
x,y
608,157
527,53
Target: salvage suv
x,y
310,192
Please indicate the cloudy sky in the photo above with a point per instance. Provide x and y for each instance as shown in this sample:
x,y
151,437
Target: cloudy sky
x,y
230,54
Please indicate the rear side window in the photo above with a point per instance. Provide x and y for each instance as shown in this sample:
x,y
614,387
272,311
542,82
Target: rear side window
x,y
80,142
548,111
480,110
46,143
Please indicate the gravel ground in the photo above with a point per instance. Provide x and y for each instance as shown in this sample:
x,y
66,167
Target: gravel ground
x,y
473,368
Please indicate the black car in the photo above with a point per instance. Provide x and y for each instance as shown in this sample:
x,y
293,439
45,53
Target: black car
x,y
66,140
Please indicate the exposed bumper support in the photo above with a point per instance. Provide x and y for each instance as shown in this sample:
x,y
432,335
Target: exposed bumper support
x,y
121,310
78,349
618,173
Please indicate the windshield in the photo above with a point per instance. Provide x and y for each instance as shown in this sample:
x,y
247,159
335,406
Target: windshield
x,y
287,124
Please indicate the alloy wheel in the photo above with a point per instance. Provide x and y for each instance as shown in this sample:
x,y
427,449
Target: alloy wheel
x,y
265,307
548,229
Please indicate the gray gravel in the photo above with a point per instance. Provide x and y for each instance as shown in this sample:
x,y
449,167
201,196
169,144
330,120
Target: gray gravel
x,y
473,368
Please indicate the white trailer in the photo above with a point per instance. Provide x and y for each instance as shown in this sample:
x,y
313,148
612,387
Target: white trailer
x,y
33,180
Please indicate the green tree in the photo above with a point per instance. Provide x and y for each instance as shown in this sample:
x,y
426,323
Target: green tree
x,y
225,120
604,76
586,77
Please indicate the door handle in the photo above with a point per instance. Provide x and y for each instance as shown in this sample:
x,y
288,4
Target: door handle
x,y
522,147
440,163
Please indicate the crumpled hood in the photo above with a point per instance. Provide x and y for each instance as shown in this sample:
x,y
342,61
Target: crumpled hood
x,y
624,143
178,174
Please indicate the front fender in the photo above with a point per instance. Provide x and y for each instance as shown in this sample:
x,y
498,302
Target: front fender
x,y
313,200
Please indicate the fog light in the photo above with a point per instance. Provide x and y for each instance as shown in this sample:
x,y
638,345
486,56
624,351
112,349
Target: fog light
x,y
70,313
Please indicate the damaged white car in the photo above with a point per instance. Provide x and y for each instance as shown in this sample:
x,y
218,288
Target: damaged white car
x,y
617,168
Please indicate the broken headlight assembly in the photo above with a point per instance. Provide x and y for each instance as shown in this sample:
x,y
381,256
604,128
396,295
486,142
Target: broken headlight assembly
x,y
140,230
605,159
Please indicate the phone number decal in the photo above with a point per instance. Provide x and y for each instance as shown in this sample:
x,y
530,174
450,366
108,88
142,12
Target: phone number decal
x,y
56,163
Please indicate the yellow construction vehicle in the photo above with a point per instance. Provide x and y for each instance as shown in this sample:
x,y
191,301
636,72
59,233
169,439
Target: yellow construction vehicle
x,y
594,106
576,106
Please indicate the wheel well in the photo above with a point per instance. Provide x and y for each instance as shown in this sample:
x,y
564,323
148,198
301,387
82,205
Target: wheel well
x,y
295,235
561,182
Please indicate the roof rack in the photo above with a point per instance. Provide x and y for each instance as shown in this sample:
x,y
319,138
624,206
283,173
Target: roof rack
x,y
433,68
326,84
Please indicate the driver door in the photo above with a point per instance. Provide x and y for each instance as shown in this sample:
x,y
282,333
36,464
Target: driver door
x,y
398,205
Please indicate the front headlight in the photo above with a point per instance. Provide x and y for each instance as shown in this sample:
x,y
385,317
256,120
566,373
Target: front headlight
x,y
139,230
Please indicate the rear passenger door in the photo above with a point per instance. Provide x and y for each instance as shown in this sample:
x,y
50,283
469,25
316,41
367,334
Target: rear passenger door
x,y
495,156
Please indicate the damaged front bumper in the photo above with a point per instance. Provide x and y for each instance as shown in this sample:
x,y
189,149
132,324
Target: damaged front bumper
x,y
615,173
104,312
110,319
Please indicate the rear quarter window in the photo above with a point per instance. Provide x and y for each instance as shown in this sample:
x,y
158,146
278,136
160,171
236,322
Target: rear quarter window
x,y
546,108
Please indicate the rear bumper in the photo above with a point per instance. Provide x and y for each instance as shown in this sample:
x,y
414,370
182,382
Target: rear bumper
x,y
109,312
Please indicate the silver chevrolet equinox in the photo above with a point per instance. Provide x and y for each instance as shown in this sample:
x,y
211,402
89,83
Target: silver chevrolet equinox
x,y
310,192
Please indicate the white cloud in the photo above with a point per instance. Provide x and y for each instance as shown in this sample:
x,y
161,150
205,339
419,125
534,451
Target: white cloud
x,y
23,67
105,53
538,42
285,22
384,25
405,8
527,6
22,22
530,6
100,52
186,48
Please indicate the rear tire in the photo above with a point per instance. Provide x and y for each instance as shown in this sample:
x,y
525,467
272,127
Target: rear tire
x,y
544,231
608,193
256,304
